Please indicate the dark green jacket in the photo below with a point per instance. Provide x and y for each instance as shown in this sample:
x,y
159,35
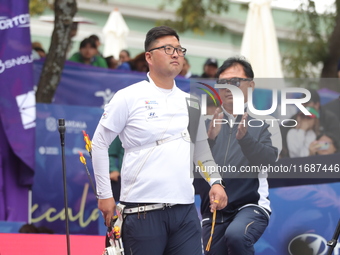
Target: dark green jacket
x,y
116,154
96,60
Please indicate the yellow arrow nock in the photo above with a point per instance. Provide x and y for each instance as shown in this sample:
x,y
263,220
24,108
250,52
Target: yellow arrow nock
x,y
88,142
82,158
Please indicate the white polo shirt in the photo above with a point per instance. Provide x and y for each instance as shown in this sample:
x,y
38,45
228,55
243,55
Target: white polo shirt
x,y
142,114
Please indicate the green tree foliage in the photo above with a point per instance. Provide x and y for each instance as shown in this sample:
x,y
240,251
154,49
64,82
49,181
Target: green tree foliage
x,y
37,6
314,47
196,15
313,44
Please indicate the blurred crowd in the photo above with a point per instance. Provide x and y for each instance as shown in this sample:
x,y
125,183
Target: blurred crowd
x,y
88,54
317,134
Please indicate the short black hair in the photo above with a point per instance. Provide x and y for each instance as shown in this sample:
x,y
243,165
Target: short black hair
x,y
314,96
126,51
94,37
87,41
232,61
39,49
158,32
28,228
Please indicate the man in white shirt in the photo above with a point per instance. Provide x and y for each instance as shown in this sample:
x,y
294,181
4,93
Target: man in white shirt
x,y
151,119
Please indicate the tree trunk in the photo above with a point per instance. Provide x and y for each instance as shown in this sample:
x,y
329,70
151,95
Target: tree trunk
x,y
330,64
50,76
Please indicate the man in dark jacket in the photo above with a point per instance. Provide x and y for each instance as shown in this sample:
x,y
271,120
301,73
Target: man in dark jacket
x,y
210,68
237,148
334,107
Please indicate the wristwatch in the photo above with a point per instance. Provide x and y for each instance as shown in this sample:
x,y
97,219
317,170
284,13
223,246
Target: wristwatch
x,y
220,182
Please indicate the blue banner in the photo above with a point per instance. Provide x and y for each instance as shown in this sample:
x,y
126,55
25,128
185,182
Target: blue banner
x,y
300,214
304,218
93,86
47,198
17,109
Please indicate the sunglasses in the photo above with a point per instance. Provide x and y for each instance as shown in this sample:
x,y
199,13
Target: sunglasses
x,y
233,81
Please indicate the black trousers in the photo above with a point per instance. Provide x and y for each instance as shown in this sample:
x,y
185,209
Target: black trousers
x,y
175,230
235,234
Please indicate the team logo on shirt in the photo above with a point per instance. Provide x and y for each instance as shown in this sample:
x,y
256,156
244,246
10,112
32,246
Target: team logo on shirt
x,y
104,116
149,104
151,115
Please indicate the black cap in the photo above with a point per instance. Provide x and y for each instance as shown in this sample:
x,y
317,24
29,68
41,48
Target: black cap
x,y
314,96
211,62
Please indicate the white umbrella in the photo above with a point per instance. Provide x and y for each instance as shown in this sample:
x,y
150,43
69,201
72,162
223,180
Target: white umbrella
x,y
259,43
115,32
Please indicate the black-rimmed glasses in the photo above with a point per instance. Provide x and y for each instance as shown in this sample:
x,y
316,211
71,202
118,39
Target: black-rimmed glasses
x,y
170,50
233,81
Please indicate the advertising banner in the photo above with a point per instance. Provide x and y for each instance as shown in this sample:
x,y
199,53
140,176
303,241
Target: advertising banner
x,y
17,110
304,218
48,198
94,86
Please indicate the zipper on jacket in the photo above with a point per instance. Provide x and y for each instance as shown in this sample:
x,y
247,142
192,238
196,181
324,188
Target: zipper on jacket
x,y
228,144
230,132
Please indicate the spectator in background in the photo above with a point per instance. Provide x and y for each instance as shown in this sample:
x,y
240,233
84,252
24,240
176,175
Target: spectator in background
x,y
111,62
324,145
38,51
116,154
241,223
186,73
124,56
30,228
210,68
45,230
138,64
300,138
96,39
328,122
334,107
88,54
